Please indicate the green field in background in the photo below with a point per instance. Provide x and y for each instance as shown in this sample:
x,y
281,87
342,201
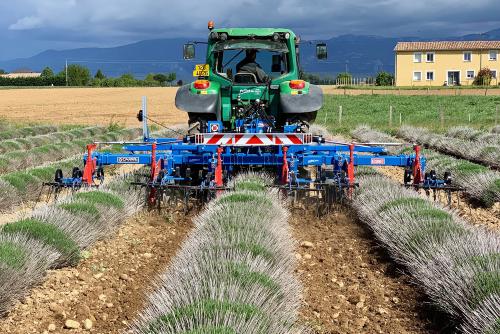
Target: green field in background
x,y
422,111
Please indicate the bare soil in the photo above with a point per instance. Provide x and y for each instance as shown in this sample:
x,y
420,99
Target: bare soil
x,y
109,287
89,106
350,286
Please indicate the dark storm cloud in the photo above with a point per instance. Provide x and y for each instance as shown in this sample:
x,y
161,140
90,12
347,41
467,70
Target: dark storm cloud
x,y
31,25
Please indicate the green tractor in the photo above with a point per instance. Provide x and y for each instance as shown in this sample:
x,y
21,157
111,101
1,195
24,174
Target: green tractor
x,y
250,83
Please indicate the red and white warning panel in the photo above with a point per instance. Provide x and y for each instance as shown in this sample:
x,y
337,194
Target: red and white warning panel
x,y
253,139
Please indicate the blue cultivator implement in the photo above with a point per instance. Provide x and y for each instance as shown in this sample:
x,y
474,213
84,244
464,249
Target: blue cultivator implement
x,y
200,165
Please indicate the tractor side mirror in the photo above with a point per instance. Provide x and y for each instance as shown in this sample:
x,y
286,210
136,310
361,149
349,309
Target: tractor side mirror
x,y
276,66
188,51
321,51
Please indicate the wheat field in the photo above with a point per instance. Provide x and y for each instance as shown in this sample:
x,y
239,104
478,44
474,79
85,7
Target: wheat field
x,y
89,106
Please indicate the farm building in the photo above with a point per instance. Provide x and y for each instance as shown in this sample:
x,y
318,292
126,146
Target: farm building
x,y
21,73
445,62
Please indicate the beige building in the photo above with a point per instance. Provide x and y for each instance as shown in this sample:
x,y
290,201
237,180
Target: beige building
x,y
21,75
445,62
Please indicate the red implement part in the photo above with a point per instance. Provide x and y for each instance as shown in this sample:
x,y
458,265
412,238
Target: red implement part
x,y
218,169
417,167
155,167
155,170
284,168
90,166
350,165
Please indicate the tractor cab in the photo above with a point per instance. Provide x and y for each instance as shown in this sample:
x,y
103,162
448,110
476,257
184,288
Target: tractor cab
x,y
250,76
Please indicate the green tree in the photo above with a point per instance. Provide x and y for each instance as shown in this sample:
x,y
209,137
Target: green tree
x,y
150,81
2,71
384,79
483,78
126,80
99,75
78,75
161,78
47,73
343,78
171,77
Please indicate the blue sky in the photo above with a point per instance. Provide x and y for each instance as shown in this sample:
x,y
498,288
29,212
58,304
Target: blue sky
x,y
30,26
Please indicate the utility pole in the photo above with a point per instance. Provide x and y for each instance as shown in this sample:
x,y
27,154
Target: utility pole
x,y
66,71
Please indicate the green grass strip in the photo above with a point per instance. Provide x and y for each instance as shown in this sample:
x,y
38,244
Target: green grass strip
x,y
485,284
48,234
405,201
246,276
208,308
491,194
434,229
102,198
239,197
465,168
429,213
79,208
20,180
483,262
211,330
255,249
252,248
250,186
495,329
12,255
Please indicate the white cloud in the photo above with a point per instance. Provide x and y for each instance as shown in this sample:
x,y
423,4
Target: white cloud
x,y
26,23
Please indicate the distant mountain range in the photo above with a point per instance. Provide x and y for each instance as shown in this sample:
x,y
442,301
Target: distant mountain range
x,y
362,56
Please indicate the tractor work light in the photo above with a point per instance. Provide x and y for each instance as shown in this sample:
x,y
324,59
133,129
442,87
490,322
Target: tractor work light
x,y
287,35
276,37
297,84
214,36
211,25
201,84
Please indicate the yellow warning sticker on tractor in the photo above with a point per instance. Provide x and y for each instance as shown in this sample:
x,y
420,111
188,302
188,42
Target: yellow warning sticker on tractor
x,y
202,70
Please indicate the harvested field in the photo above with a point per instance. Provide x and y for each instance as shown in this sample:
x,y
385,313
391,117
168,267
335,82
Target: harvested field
x,y
89,106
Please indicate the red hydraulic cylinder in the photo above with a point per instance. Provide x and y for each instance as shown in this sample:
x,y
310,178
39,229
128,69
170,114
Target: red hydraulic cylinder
x,y
417,167
350,166
218,168
90,166
284,168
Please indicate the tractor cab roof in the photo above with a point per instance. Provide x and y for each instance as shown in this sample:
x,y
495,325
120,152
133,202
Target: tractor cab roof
x,y
257,32
244,44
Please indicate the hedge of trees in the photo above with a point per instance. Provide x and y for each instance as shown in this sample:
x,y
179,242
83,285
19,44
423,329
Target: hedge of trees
x,y
78,75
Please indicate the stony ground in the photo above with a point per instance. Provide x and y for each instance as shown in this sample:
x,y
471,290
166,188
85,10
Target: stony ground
x,y
350,286
105,291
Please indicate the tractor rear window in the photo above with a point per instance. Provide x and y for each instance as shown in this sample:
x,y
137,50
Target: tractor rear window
x,y
230,63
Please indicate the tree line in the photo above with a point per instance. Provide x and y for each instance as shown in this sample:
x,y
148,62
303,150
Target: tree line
x,y
78,75
346,78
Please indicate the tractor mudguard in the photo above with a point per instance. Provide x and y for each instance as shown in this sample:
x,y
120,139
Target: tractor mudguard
x,y
196,103
302,103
